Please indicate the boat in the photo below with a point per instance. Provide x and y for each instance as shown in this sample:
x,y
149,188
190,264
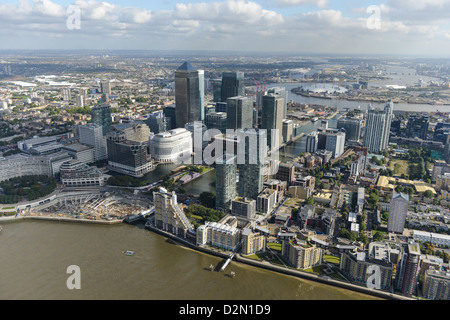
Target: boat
x,y
314,119
129,253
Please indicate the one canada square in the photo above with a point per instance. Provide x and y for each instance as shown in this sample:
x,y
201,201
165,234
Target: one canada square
x,y
189,94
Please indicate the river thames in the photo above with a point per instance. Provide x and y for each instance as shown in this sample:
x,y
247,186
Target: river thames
x,y
35,256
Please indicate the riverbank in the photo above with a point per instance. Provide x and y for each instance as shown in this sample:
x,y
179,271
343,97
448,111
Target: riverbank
x,y
60,219
296,273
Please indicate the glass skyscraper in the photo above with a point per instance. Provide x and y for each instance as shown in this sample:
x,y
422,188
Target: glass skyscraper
x,y
239,113
378,127
101,115
188,94
232,85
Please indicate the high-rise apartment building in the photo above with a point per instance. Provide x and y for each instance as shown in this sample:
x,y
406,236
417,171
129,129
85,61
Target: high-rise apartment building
x,y
352,127
232,85
226,169
188,94
397,212
105,87
408,270
252,150
378,126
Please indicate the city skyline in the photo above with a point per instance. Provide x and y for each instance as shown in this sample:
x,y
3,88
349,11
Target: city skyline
x,y
309,26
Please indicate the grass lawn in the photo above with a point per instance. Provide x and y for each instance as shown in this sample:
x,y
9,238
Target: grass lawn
x,y
316,269
332,259
274,246
399,166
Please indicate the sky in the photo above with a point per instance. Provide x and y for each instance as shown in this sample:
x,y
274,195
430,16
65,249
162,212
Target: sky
x,y
393,27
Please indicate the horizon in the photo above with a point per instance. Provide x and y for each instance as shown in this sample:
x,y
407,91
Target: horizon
x,y
319,27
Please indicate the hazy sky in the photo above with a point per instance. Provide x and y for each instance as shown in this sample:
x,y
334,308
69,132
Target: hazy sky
x,y
304,26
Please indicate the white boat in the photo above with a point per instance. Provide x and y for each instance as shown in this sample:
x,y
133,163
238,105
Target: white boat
x,y
314,119
129,253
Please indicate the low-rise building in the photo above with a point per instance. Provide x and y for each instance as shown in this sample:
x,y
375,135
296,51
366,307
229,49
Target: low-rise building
x,y
75,173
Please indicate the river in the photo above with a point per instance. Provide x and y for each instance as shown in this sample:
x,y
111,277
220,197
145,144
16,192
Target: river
x,y
35,256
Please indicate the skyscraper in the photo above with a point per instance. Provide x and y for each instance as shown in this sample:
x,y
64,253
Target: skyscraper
x,y
352,128
188,91
408,270
225,181
157,122
397,212
272,118
101,115
232,85
252,150
105,87
92,135
378,127
417,127
283,93
239,113
447,150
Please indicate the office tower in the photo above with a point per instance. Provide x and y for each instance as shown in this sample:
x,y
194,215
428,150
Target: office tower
x,y
272,118
92,134
252,150
378,127
226,169
66,94
352,128
397,212
335,142
395,126
282,92
408,270
171,119
169,216
221,107
288,130
436,284
128,149
101,115
239,113
441,132
201,84
217,90
233,85
105,87
80,101
216,120
312,141
157,122
188,91
417,127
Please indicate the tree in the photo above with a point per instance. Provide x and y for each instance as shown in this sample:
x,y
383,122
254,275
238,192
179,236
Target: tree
x,y
208,199
310,201
378,236
428,194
